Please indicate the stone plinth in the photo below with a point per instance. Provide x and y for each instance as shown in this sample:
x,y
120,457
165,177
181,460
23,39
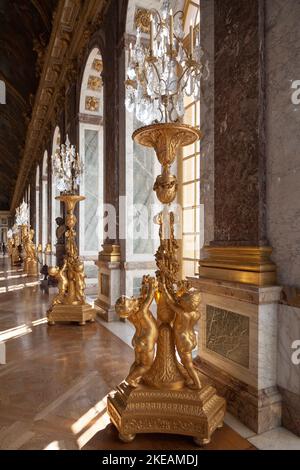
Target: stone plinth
x,y
108,289
238,348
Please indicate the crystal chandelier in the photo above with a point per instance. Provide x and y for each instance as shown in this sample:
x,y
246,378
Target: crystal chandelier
x,y
22,214
67,168
161,74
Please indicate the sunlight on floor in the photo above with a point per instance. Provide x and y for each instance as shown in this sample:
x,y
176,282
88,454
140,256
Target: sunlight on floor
x,y
95,420
3,290
41,321
52,446
16,287
15,332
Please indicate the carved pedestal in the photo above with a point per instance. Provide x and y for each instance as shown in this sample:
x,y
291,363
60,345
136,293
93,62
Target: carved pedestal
x,y
162,403
71,313
70,303
108,282
31,267
150,410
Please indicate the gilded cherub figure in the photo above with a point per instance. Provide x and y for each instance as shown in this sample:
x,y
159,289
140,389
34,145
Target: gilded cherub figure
x,y
60,275
30,248
136,309
79,279
186,307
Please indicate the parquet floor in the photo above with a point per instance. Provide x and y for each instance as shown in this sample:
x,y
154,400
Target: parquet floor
x,y
53,388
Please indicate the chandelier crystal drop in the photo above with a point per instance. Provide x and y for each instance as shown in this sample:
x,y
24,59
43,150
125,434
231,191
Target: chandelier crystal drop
x,y
67,168
22,214
164,68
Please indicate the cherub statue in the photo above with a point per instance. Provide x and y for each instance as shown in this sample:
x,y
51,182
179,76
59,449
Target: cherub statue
x,y
60,275
60,230
79,279
185,304
71,248
30,248
136,309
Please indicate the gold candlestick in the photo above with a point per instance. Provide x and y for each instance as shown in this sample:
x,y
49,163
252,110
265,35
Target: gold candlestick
x,y
161,394
30,258
15,257
70,303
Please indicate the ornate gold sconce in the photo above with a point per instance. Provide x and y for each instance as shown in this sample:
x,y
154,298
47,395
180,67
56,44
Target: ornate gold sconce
x,y
162,394
70,303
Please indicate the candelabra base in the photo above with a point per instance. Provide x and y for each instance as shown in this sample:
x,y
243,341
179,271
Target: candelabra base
x,y
71,313
32,268
144,409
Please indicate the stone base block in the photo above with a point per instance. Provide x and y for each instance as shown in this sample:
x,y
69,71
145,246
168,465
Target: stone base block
x,y
290,411
105,311
71,313
196,413
259,410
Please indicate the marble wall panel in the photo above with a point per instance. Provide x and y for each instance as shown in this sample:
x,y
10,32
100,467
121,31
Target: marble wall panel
x,y
283,136
239,132
227,333
91,185
207,121
288,331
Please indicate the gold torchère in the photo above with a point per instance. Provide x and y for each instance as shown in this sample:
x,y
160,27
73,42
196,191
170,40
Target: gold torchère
x,y
24,232
10,244
161,394
30,252
15,257
70,303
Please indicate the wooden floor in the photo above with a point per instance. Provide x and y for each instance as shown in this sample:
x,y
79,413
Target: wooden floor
x,y
53,389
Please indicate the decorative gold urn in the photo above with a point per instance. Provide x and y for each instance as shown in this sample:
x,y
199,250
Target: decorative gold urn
x,y
70,304
161,393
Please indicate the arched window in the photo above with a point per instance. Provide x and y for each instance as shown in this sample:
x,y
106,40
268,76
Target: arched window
x,y
37,206
141,170
189,172
45,200
91,153
55,206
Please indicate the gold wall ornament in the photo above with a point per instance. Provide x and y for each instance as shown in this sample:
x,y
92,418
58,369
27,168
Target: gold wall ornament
x,y
94,83
161,393
92,103
70,304
97,65
142,20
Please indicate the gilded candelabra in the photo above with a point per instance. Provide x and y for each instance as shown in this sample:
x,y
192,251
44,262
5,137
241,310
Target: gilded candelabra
x,y
29,251
15,254
70,304
162,394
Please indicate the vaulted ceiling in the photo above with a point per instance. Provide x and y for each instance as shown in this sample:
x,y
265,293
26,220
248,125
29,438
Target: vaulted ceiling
x,y
25,28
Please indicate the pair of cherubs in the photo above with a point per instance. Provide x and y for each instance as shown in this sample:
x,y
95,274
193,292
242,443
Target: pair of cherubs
x,y
71,282
185,305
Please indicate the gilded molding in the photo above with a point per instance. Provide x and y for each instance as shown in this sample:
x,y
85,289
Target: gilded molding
x,y
56,71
